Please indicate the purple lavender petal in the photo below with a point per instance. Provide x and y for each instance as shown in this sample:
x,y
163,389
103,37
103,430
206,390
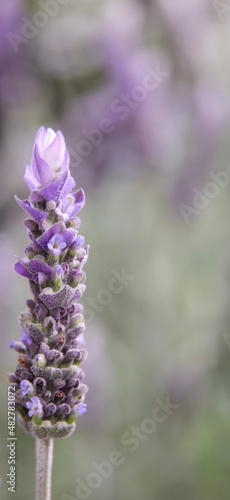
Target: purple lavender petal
x,y
53,152
65,163
40,136
38,266
41,168
30,179
35,197
20,268
25,338
56,244
69,185
38,215
79,198
56,153
68,236
34,405
64,209
53,190
77,294
33,268
26,387
63,298
80,240
48,234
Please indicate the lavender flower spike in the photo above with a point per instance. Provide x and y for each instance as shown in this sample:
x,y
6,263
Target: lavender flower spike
x,y
49,392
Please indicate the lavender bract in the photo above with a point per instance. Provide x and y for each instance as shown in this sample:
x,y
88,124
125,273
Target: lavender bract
x,y
49,381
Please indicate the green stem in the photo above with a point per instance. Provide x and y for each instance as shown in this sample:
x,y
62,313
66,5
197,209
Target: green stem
x,y
44,458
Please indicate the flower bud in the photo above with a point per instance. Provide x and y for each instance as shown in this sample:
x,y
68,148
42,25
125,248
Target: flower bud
x,y
39,385
63,409
31,224
50,410
40,360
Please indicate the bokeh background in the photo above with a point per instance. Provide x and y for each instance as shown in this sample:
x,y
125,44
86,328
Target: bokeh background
x,y
167,333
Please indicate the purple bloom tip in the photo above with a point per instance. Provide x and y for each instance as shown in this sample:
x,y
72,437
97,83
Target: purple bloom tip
x,y
50,159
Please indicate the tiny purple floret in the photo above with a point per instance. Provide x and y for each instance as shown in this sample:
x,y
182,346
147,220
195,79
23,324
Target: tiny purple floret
x,y
64,209
56,245
81,408
25,338
58,270
34,406
80,240
25,387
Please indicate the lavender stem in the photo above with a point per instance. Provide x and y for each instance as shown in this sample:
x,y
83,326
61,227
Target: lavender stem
x,y
44,459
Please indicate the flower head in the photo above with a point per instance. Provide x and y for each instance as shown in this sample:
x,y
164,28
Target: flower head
x,y
50,158
26,387
34,406
56,244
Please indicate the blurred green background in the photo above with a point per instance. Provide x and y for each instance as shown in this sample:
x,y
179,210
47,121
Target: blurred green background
x,y
166,334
